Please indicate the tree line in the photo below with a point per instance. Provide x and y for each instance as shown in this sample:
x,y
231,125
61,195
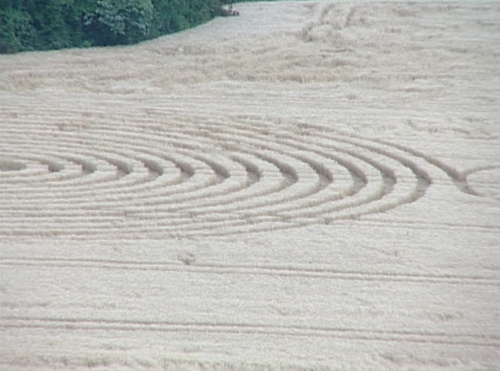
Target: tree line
x,y
55,24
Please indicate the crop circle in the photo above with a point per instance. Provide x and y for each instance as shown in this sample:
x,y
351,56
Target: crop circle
x,y
206,177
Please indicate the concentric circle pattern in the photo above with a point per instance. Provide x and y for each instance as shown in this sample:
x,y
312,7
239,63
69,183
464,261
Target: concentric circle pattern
x,y
254,192
194,175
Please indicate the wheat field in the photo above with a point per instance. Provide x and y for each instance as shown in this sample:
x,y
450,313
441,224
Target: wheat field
x,y
309,186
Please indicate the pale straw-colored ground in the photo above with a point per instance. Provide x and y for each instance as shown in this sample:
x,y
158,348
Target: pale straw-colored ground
x,y
306,186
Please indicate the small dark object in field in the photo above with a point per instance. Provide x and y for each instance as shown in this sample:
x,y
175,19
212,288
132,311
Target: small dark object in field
x,y
229,12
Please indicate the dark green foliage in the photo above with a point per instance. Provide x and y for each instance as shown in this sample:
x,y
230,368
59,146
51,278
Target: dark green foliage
x,y
120,21
55,24
43,24
17,32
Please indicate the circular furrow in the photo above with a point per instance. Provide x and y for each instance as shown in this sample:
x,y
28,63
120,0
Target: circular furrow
x,y
96,169
357,174
193,176
49,168
108,197
202,175
284,185
30,189
319,189
270,180
395,183
311,188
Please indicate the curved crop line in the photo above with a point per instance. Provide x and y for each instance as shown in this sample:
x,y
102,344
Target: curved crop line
x,y
458,178
221,182
423,179
467,173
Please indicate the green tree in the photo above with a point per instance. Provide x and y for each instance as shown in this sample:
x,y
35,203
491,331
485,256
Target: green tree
x,y
17,32
121,21
56,24
50,23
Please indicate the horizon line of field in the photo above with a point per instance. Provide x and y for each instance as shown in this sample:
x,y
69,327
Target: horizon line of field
x,y
101,324
266,270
